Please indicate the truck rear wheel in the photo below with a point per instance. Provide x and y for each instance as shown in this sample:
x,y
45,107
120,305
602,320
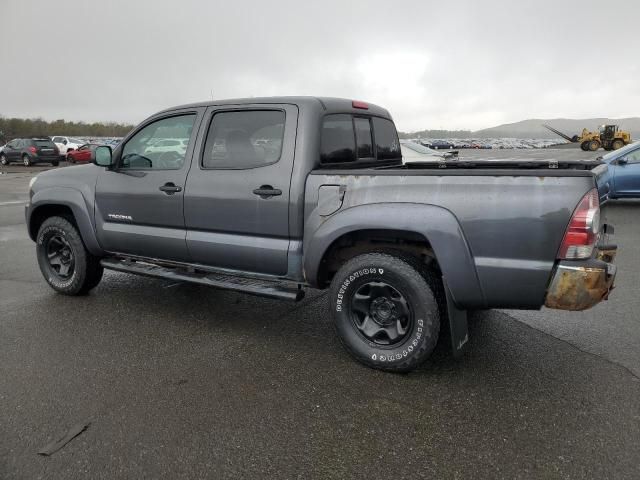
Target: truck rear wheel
x,y
386,311
64,261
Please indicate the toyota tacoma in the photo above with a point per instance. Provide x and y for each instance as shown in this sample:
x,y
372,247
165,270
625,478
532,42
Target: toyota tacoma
x,y
271,196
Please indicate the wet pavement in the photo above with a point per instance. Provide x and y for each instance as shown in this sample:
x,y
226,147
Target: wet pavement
x,y
181,381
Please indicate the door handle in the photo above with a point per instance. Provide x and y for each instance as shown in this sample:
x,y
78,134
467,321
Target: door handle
x,y
266,191
170,188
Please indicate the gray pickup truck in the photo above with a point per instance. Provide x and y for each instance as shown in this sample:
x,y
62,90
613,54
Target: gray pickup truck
x,y
270,196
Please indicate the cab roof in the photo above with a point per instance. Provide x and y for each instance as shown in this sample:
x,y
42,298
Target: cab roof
x,y
326,104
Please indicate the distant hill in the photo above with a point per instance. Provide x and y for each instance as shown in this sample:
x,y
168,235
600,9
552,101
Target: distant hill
x,y
533,128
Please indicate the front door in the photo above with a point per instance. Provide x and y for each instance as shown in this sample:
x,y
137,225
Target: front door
x,y
12,150
139,202
627,175
237,195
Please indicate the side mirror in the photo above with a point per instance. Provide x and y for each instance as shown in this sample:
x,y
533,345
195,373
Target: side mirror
x,y
622,161
64,142
102,156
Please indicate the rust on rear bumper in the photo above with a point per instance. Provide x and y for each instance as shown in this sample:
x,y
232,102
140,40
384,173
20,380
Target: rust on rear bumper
x,y
581,287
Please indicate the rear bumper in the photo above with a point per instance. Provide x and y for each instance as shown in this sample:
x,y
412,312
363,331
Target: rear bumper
x,y
579,285
43,159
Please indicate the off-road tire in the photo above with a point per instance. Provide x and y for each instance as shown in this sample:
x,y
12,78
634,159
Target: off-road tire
x,y
594,145
617,144
87,271
420,288
584,146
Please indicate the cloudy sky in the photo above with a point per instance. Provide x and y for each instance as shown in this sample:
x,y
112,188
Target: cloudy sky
x,y
446,64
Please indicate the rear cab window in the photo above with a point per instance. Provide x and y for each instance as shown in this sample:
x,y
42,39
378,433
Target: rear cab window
x,y
349,140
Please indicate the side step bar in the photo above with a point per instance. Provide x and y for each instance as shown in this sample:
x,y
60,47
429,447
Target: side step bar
x,y
227,282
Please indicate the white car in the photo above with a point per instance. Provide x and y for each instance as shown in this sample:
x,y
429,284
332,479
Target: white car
x,y
178,145
414,152
66,144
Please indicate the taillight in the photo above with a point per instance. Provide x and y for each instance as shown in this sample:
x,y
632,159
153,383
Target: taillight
x,y
32,149
582,232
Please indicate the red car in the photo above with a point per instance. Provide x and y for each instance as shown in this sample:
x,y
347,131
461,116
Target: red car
x,y
82,154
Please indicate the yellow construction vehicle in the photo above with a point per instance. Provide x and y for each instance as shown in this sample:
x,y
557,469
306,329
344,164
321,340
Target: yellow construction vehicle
x,y
609,137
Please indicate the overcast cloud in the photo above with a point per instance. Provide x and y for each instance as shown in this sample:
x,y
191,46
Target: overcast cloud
x,y
448,64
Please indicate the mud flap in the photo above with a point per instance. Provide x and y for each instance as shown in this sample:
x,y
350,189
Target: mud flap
x,y
457,325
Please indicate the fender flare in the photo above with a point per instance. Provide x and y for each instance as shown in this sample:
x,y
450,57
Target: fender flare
x,y
438,225
72,198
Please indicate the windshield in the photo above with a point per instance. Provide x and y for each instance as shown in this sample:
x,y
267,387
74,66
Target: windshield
x,y
620,151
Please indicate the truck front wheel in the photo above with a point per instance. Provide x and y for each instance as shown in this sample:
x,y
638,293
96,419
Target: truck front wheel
x,y
386,311
64,261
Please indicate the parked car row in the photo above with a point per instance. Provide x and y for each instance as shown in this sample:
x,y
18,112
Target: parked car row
x,y
42,149
486,143
450,144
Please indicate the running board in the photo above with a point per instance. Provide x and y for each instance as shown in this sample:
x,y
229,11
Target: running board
x,y
227,282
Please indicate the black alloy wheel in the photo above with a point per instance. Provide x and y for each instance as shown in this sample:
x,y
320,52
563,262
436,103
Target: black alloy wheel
x,y
60,256
381,313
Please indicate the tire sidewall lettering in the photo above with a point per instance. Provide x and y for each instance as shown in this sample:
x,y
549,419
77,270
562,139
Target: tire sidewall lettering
x,y
352,277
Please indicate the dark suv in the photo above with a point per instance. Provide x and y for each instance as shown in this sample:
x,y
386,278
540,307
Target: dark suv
x,y
29,151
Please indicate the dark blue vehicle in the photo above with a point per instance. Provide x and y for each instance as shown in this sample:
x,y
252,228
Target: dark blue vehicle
x,y
622,177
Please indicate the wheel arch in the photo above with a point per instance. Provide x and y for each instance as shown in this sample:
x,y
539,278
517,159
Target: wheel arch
x,y
422,229
66,202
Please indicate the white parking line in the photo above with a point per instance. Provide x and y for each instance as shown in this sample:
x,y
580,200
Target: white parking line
x,y
15,202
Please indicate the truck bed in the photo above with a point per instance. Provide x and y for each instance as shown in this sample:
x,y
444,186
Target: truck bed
x,y
512,214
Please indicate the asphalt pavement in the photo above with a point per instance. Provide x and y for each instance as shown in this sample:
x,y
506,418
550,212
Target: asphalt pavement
x,y
182,381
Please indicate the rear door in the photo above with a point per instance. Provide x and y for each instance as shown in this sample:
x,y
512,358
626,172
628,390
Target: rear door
x,y
237,196
139,203
627,175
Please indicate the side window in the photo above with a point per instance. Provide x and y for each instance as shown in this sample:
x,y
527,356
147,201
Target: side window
x,y
338,140
57,140
244,139
387,143
363,137
633,157
138,153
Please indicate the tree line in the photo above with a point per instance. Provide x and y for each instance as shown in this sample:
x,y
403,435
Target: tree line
x,y
27,127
